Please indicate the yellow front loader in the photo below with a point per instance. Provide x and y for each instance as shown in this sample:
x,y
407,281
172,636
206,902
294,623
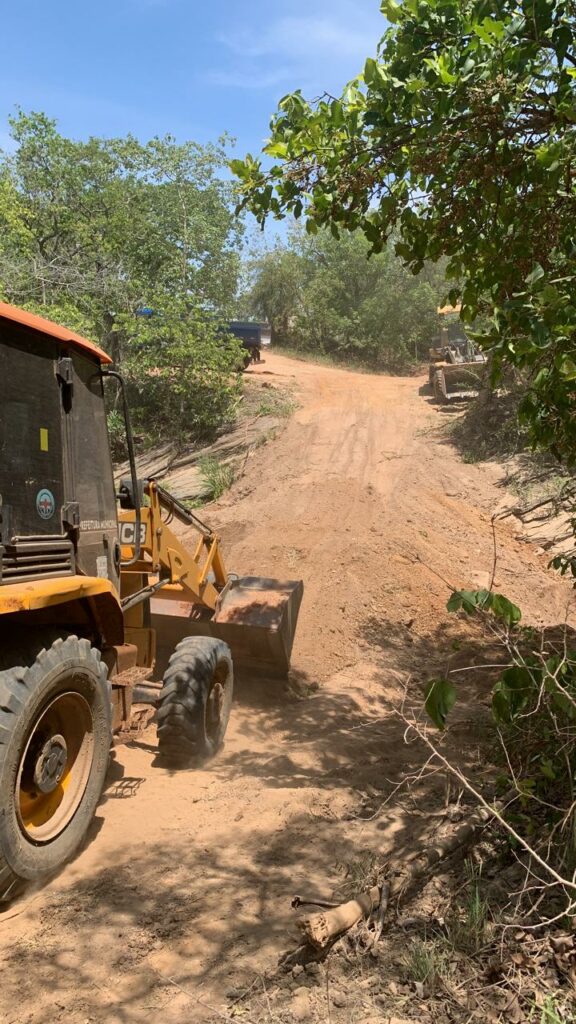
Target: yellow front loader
x,y
106,618
457,365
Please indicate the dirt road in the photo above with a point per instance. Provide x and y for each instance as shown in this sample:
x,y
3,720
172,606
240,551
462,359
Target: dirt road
x,y
181,898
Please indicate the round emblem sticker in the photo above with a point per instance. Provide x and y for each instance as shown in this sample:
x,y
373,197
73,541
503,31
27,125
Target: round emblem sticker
x,y
45,504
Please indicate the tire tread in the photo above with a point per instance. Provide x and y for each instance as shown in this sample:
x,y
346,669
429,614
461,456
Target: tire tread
x,y
185,687
10,682
16,683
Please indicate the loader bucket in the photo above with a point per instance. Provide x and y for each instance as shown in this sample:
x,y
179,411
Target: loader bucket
x,y
462,376
255,616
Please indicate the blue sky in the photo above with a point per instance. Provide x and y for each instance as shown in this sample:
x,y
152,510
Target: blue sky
x,y
194,69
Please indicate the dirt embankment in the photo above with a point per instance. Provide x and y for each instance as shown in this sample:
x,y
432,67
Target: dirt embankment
x,y
181,899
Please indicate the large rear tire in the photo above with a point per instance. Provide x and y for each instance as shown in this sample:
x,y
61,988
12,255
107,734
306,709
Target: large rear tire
x,y
440,387
195,700
55,736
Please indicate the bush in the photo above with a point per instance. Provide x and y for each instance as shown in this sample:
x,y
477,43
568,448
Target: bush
x,y
325,296
117,435
182,373
218,477
534,709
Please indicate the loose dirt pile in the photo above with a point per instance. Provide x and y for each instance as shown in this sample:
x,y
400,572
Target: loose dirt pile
x,y
179,907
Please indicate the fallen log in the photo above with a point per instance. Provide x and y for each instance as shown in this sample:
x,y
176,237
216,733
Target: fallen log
x,y
321,929
457,843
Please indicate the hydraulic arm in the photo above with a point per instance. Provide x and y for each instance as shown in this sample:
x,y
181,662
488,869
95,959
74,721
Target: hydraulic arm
x,y
191,593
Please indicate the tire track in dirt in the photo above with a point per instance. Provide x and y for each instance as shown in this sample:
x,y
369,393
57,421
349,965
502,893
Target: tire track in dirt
x,y
183,890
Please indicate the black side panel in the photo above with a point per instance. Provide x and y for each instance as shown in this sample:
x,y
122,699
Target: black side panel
x,y
31,463
98,551
57,500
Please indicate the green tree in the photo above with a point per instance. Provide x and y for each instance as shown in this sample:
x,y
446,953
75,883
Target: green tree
x,y
100,225
459,140
274,290
91,231
181,372
324,294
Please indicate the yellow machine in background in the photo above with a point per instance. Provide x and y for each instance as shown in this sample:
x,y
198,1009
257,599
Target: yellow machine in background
x,y
456,365
106,618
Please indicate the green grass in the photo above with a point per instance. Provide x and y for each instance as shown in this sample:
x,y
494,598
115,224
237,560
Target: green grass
x,y
477,915
277,405
343,362
551,1012
261,398
217,476
425,961
359,874
468,931
535,486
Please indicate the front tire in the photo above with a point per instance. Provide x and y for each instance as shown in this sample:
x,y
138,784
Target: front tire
x,y
55,736
195,700
440,387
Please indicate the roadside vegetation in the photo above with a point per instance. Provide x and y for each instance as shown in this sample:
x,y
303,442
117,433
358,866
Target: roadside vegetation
x,y
456,143
137,246
217,476
456,147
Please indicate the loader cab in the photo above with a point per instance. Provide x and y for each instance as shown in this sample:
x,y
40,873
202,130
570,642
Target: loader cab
x,y
57,499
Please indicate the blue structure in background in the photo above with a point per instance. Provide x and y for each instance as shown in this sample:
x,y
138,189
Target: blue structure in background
x,y
253,336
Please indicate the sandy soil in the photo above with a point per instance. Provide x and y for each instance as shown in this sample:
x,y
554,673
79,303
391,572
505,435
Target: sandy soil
x,y
181,898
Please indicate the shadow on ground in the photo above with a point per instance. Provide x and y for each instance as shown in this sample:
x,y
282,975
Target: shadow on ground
x,y
170,929
132,946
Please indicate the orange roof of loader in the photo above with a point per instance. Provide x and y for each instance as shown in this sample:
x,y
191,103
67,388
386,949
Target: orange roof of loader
x,y
38,323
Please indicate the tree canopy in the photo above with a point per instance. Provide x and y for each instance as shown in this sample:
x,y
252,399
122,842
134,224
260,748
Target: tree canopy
x,y
322,294
93,232
458,140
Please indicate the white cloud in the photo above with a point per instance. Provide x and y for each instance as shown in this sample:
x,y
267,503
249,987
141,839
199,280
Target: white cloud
x,y
319,47
304,38
255,78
